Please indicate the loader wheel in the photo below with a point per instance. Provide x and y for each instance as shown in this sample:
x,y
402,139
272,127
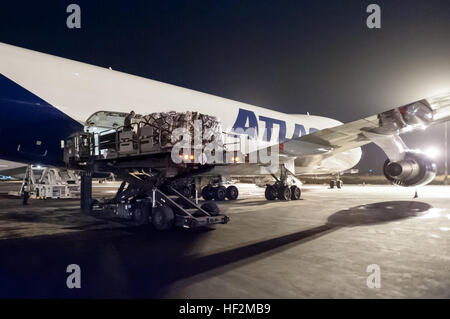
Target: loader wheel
x,y
295,192
271,192
220,193
284,193
140,215
211,207
232,192
163,217
207,192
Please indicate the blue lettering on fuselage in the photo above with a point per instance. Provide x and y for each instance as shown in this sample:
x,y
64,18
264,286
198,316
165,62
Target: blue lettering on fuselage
x,y
269,127
240,126
247,123
299,131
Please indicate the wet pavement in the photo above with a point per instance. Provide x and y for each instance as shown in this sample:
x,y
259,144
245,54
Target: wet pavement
x,y
318,247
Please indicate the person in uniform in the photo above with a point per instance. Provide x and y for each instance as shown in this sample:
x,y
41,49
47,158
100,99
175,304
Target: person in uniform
x,y
127,121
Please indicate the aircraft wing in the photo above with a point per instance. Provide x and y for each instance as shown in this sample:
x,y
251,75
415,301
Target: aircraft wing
x,y
16,170
382,129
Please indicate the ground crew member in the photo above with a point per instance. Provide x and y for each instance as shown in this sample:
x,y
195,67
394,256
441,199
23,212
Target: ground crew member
x,y
26,193
127,121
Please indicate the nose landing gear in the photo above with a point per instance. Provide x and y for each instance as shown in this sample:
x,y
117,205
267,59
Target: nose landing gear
x,y
336,183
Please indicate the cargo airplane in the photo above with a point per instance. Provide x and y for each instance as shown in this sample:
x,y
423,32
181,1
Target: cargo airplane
x,y
44,99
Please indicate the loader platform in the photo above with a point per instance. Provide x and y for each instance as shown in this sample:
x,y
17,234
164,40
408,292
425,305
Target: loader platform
x,y
145,161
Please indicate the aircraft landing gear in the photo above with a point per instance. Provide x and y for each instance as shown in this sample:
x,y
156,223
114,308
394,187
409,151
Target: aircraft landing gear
x,y
295,192
219,193
336,183
207,192
284,193
271,192
281,190
232,192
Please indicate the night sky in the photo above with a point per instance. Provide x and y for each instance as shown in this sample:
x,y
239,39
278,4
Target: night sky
x,y
291,56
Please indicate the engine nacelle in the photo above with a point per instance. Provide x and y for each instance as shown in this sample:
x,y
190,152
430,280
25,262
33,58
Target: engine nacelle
x,y
416,169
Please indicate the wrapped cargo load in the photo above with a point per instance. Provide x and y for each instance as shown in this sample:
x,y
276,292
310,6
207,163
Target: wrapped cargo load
x,y
198,125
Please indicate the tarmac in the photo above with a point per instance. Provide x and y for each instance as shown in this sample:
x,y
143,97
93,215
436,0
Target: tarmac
x,y
327,245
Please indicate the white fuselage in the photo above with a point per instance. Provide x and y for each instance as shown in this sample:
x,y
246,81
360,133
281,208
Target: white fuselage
x,y
79,89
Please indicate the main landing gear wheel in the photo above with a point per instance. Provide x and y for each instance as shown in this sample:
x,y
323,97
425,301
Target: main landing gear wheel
x,y
232,192
207,192
271,192
220,193
162,217
295,192
332,184
284,193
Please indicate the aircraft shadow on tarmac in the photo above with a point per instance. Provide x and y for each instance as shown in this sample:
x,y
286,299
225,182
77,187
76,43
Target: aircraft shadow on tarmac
x,y
135,262
370,214
378,213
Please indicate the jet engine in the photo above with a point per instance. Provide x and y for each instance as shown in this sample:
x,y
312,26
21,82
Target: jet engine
x,y
415,169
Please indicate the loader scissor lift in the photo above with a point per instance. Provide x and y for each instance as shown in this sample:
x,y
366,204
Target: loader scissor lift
x,y
138,158
141,198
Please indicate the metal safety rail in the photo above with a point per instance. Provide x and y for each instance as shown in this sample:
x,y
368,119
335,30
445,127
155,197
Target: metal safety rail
x,y
188,214
141,191
110,144
113,143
